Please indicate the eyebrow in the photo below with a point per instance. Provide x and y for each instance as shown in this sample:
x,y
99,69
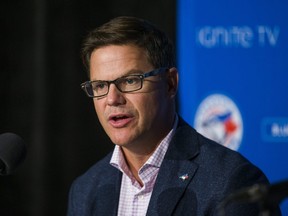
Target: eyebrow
x,y
128,73
133,71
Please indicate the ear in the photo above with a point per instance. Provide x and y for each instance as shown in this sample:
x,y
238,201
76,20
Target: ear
x,y
172,81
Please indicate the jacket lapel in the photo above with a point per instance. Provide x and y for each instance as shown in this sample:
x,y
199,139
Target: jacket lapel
x,y
176,172
107,195
116,195
171,183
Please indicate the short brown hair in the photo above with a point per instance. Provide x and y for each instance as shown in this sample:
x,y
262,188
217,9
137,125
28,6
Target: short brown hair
x,y
135,31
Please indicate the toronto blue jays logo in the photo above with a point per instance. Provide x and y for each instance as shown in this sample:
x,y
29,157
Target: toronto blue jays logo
x,y
219,119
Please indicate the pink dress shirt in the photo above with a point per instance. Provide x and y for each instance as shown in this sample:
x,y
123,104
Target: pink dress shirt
x,y
134,199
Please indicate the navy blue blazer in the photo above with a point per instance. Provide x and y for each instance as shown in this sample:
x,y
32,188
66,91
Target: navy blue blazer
x,y
213,173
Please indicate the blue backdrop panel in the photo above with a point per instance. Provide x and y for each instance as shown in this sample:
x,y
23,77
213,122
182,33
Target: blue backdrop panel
x,y
233,63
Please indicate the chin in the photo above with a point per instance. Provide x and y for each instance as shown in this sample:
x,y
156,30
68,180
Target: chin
x,y
120,136
118,140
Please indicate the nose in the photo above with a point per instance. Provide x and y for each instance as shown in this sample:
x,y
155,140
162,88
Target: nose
x,y
114,96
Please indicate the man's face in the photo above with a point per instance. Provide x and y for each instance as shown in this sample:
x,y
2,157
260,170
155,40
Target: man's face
x,y
136,119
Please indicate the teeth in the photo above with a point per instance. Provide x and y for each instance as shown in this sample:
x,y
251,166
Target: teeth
x,y
119,117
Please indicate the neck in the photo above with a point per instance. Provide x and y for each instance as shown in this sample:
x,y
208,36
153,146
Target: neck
x,y
135,160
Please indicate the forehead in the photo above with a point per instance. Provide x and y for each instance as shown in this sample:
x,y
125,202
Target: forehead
x,y
110,62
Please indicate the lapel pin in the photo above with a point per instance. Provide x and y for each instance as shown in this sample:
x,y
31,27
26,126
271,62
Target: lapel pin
x,y
184,177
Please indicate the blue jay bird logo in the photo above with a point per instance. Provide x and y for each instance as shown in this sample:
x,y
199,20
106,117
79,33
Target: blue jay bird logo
x,y
219,119
226,120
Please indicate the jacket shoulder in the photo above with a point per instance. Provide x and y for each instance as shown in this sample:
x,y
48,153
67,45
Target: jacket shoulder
x,y
98,172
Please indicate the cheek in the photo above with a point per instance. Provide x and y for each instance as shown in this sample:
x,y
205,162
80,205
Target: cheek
x,y
99,108
149,106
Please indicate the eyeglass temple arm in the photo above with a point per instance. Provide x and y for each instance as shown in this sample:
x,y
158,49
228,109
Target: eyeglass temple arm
x,y
155,72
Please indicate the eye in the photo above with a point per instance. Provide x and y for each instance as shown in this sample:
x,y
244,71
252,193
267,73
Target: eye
x,y
131,80
99,86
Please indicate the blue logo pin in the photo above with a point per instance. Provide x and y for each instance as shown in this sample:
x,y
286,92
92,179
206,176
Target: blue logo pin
x,y
184,177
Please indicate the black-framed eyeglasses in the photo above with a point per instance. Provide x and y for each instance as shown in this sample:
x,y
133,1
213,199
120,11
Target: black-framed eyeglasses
x,y
125,84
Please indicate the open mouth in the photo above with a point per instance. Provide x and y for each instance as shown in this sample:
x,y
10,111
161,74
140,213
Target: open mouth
x,y
120,120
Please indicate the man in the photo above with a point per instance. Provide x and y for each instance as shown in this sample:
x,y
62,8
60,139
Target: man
x,y
160,165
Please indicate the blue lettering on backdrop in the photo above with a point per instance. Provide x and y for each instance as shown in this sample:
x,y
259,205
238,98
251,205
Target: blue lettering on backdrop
x,y
233,63
237,36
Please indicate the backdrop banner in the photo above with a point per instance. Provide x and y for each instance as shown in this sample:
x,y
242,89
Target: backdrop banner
x,y
233,63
